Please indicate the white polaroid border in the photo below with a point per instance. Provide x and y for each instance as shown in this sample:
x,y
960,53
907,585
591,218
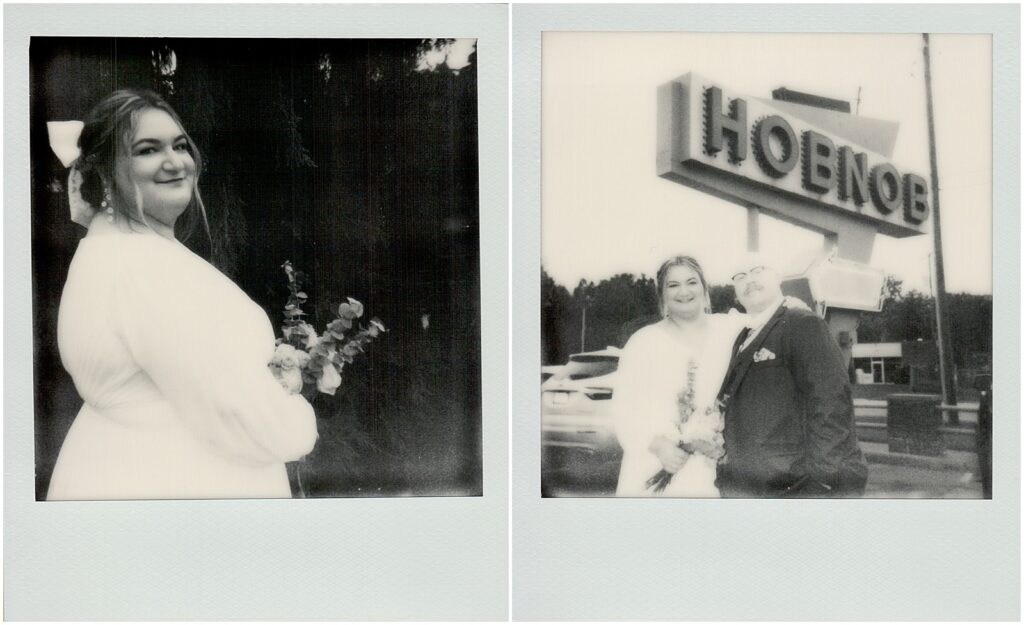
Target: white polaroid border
x,y
609,559
443,558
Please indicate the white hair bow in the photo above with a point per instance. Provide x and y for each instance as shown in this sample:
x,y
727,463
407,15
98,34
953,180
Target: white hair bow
x,y
64,140
64,143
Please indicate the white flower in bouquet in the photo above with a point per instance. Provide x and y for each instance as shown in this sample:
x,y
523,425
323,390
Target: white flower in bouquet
x,y
287,364
304,333
700,426
291,380
699,430
329,380
702,433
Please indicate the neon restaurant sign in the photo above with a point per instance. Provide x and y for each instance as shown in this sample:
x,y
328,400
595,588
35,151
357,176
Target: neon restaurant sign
x,y
771,155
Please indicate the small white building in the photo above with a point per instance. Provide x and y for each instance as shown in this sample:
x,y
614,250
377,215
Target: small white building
x,y
879,363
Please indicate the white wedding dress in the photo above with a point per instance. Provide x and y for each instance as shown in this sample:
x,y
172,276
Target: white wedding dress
x,y
171,358
652,373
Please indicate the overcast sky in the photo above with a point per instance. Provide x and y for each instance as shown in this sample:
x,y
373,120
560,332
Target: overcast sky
x,y
605,210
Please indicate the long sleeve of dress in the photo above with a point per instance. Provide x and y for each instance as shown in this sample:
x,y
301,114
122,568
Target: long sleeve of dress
x,y
731,322
639,413
206,346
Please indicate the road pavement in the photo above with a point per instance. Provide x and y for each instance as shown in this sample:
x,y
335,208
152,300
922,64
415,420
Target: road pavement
x,y
954,475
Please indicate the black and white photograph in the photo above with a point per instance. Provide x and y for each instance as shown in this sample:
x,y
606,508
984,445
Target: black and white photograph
x,y
766,265
255,268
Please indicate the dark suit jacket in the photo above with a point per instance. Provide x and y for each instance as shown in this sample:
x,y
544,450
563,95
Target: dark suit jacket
x,y
789,428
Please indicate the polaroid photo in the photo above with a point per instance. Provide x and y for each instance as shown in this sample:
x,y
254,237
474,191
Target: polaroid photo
x,y
252,240
758,318
733,383
333,183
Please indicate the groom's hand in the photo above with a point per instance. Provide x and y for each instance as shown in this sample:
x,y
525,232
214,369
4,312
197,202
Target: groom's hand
x,y
668,453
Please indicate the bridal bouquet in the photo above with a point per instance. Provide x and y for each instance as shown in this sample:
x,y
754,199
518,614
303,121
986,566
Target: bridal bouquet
x,y
309,362
699,431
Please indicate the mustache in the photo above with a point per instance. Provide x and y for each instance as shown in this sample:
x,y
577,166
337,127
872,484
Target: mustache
x,y
752,287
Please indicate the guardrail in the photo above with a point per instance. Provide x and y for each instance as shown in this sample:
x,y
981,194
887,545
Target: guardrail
x,y
959,408
871,417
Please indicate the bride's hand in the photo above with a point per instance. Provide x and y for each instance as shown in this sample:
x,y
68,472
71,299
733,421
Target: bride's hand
x,y
795,302
668,453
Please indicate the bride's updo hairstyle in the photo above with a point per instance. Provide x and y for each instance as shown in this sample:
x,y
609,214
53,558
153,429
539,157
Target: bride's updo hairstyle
x,y
106,140
682,261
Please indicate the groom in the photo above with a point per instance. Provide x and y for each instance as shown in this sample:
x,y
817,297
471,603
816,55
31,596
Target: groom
x,y
789,429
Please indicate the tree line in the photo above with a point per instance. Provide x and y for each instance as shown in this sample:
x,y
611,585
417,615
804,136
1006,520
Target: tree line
x,y
910,316
606,313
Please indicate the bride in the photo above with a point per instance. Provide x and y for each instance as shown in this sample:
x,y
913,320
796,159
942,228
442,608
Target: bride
x,y
168,354
686,353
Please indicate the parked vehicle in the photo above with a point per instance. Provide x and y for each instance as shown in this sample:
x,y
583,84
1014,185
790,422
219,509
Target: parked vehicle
x,y
546,371
576,403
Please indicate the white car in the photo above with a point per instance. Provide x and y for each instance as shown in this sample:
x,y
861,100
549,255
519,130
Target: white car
x,y
546,371
576,402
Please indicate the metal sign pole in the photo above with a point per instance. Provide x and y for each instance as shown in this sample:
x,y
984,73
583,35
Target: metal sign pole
x,y
941,320
753,234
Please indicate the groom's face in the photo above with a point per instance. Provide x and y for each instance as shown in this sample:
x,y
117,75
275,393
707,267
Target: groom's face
x,y
757,287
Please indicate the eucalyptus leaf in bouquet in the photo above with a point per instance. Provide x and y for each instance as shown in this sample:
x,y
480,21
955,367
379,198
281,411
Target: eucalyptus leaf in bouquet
x,y
309,362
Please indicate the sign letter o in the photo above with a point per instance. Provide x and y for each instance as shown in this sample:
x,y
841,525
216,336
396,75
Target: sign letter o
x,y
775,165
886,188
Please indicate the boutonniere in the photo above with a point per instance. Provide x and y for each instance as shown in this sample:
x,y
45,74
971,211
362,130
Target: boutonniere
x,y
763,354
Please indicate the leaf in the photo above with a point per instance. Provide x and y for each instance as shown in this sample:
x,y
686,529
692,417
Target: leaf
x,y
336,329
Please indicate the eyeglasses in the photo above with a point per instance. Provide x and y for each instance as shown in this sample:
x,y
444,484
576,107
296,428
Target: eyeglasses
x,y
743,275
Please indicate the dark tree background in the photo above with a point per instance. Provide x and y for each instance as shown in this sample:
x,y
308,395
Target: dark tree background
x,y
910,316
348,158
615,308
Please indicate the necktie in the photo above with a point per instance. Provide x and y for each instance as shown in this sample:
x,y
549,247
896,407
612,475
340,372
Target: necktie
x,y
742,338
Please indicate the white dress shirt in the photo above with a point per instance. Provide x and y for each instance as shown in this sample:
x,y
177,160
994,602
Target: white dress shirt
x,y
757,322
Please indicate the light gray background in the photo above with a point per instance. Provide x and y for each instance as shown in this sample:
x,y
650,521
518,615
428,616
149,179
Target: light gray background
x,y
355,559
608,559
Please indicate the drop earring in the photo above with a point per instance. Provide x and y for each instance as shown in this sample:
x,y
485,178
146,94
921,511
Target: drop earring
x,y
108,205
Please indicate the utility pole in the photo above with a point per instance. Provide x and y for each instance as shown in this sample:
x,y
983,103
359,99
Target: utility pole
x,y
941,321
585,298
583,329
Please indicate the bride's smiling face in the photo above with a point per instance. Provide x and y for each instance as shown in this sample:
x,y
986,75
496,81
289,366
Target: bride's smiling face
x,y
159,168
683,293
